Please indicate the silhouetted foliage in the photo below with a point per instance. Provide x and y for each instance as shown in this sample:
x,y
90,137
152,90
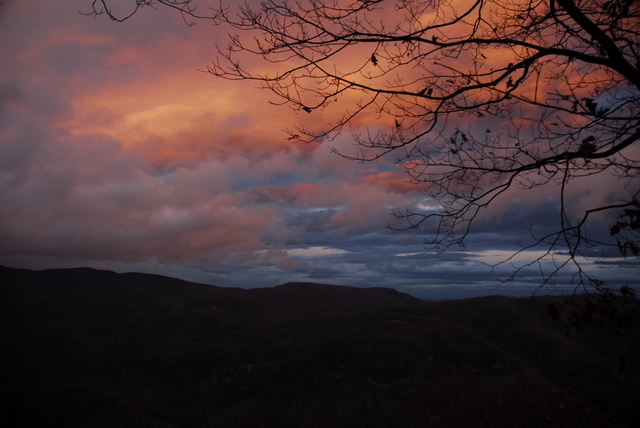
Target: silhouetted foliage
x,y
613,308
627,229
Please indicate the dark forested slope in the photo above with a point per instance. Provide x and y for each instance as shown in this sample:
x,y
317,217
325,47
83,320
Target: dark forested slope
x,y
82,347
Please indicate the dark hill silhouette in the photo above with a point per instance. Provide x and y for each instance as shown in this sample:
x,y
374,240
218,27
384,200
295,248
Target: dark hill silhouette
x,y
134,294
84,347
302,298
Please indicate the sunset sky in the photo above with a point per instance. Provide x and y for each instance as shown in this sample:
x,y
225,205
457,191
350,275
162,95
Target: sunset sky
x,y
117,152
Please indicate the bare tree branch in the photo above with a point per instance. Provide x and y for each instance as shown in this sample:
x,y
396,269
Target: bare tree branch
x,y
560,78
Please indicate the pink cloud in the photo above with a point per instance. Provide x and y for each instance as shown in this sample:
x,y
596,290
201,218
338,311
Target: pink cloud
x,y
393,181
96,199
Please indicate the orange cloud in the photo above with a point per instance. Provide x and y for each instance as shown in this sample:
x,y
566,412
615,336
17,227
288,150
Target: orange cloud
x,y
393,181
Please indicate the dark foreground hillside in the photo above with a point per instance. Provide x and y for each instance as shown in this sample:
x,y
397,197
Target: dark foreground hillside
x,y
91,348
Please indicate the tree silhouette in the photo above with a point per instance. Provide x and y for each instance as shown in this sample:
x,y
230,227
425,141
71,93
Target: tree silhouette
x,y
475,99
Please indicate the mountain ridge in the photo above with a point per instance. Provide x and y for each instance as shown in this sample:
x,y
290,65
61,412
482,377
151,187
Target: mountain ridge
x,y
290,298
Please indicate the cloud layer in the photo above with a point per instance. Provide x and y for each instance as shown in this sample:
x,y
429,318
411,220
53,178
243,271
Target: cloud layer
x,y
116,152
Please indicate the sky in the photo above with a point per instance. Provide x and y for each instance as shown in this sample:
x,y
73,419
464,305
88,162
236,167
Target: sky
x,y
117,152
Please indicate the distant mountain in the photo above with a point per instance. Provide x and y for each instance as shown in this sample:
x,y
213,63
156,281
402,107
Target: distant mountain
x,y
84,347
133,294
